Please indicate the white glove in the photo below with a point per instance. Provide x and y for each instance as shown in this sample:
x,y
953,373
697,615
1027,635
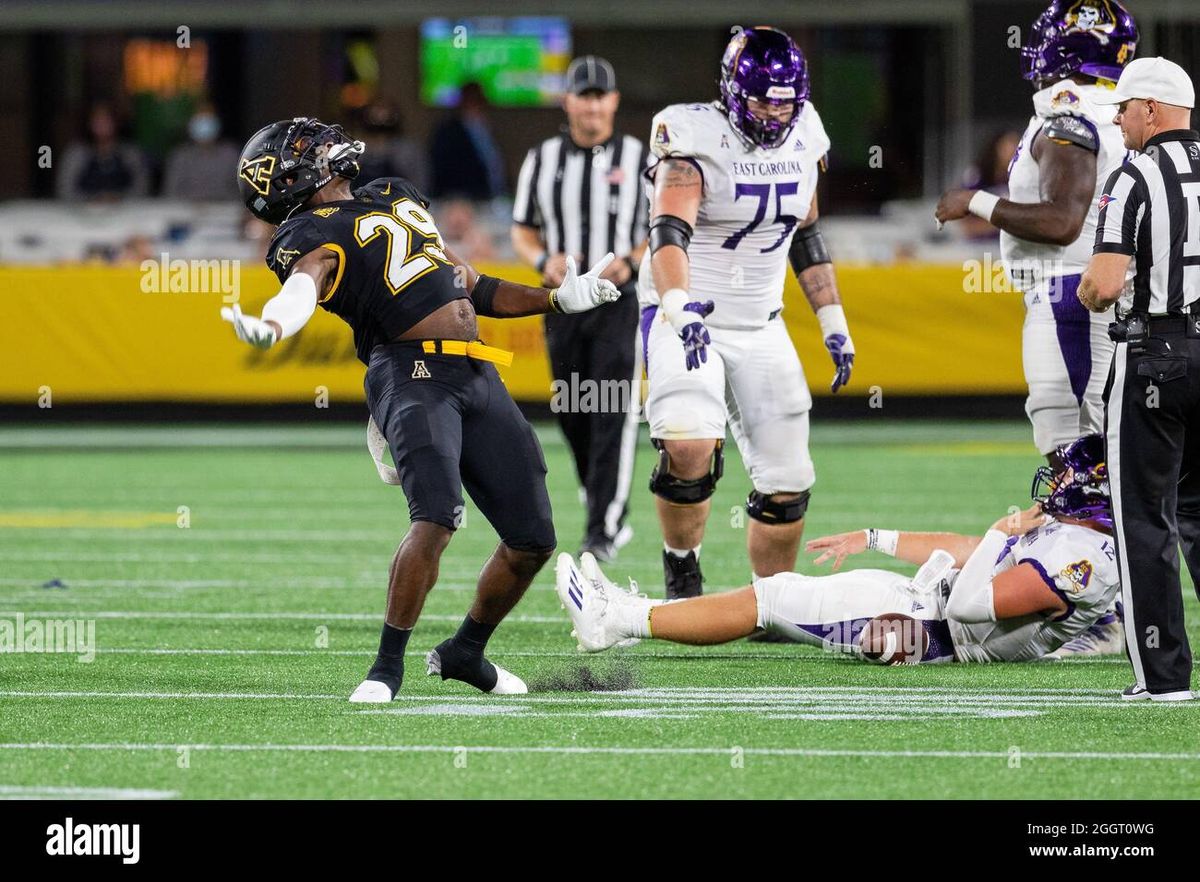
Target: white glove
x,y
581,293
249,329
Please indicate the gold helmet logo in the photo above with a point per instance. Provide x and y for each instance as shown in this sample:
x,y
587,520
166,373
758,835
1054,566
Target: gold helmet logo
x,y
257,173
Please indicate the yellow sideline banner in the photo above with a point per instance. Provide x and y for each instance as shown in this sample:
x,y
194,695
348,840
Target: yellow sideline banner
x,y
107,334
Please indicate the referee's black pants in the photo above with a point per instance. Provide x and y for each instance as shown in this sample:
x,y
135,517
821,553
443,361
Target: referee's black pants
x,y
1152,424
593,357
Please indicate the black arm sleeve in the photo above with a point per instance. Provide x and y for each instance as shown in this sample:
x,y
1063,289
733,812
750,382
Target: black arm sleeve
x,y
808,249
483,294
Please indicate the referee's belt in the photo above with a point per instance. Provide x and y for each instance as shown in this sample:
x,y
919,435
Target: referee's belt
x,y
1135,327
471,349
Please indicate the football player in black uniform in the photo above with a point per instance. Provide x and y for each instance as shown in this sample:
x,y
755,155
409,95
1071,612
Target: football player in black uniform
x,y
373,256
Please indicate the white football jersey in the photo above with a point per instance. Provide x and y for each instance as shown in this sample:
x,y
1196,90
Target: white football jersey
x,y
1080,566
753,200
1030,264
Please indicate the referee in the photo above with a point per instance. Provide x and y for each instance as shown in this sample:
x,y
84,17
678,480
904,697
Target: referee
x,y
579,193
1150,212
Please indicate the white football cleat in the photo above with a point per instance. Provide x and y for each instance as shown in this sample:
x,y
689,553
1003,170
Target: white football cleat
x,y
372,692
507,683
587,602
590,567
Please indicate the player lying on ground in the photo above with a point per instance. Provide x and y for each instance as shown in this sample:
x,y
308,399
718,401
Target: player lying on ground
x,y
374,257
1032,582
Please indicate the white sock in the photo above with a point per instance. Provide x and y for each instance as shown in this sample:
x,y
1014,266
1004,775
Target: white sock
x,y
682,552
634,617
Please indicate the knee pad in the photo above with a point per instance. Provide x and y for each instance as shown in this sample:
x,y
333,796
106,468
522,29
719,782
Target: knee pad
x,y
679,491
762,508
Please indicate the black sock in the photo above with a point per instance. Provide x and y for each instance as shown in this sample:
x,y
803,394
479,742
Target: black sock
x,y
473,636
389,663
462,659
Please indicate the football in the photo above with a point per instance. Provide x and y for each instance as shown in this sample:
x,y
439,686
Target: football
x,y
893,639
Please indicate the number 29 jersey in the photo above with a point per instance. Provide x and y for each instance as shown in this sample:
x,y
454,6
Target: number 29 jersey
x,y
753,200
392,269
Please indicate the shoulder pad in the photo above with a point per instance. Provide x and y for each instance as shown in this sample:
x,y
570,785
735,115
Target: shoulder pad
x,y
673,131
1072,130
394,188
294,238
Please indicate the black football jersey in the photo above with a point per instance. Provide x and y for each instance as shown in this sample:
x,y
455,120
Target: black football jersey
x,y
392,271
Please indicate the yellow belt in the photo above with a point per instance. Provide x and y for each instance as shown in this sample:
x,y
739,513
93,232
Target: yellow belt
x,y
473,349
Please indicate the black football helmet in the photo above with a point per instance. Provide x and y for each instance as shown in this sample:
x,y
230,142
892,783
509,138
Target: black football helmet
x,y
284,163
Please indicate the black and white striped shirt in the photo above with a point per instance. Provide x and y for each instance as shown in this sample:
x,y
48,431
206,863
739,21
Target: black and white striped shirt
x,y
1150,209
585,201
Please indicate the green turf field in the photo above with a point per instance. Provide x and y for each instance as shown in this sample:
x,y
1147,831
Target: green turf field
x,y
226,650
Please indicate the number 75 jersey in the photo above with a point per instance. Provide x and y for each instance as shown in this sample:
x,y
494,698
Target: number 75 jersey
x,y
392,267
753,200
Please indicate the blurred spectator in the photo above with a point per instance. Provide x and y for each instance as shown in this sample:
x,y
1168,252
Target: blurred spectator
x,y
461,232
257,234
990,173
102,167
389,153
203,168
135,249
466,161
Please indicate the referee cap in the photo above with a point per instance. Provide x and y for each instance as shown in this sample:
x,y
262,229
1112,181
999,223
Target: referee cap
x,y
1157,78
590,72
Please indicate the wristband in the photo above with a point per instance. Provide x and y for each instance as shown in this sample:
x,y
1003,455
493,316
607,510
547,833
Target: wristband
x,y
982,204
884,541
673,303
832,319
540,264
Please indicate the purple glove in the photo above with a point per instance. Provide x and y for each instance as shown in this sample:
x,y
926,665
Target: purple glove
x,y
695,335
842,351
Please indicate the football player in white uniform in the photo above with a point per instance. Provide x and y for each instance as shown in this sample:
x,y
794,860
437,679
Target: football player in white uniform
x,y
1074,55
733,199
1033,582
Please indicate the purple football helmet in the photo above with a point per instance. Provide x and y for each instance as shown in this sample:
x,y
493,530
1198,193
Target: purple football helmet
x,y
1080,488
762,63
1093,37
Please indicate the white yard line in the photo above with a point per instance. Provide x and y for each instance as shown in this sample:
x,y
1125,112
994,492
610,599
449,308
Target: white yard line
x,y
253,616
283,583
698,697
13,791
574,750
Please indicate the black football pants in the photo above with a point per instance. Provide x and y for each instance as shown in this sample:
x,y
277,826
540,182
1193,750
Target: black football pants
x,y
593,360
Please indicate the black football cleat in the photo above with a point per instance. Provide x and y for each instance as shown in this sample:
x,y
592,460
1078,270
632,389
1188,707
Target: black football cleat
x,y
682,575
450,662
